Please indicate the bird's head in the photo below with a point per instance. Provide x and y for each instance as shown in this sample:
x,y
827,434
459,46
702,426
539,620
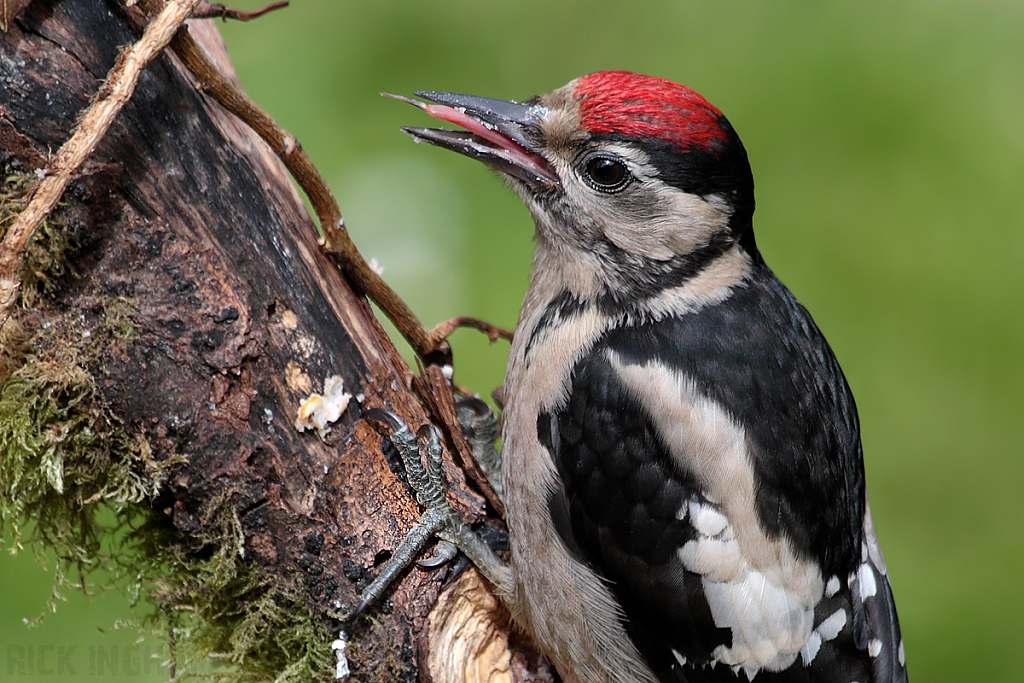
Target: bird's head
x,y
640,173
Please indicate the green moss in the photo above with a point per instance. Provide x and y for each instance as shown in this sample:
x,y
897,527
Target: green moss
x,y
117,319
46,254
13,347
253,626
61,454
79,485
217,608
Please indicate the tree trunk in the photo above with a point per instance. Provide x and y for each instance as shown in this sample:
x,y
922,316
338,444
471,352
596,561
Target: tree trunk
x,y
185,222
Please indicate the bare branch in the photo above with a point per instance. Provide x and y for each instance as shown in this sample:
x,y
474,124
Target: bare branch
x,y
493,332
212,10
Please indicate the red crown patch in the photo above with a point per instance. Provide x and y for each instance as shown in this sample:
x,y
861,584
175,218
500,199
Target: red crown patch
x,y
625,103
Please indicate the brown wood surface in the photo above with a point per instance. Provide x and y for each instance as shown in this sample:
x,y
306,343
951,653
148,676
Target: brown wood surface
x,y
185,214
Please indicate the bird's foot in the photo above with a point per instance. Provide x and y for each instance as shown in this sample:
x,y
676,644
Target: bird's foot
x,y
480,427
438,520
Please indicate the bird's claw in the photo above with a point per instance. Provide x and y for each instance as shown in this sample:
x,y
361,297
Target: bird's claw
x,y
428,483
444,552
438,519
480,427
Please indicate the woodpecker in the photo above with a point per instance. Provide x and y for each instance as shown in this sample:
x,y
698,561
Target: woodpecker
x,y
681,466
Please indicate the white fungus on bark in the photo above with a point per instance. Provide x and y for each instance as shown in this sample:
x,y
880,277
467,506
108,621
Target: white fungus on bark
x,y
319,411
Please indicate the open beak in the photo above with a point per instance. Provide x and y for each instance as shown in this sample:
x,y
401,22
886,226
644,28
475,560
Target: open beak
x,y
496,132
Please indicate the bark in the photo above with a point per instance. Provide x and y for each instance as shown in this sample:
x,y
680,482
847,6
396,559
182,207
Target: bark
x,y
187,215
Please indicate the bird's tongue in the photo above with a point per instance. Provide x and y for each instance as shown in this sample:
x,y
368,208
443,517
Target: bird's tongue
x,y
523,156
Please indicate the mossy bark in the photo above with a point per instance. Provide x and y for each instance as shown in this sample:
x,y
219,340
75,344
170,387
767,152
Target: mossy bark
x,y
200,312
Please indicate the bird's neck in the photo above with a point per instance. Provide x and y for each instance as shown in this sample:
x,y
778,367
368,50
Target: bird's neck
x,y
585,278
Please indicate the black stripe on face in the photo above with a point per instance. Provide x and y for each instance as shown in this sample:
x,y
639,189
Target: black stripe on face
x,y
564,306
637,278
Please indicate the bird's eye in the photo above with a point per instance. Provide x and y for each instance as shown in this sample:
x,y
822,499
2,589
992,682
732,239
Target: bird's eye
x,y
606,173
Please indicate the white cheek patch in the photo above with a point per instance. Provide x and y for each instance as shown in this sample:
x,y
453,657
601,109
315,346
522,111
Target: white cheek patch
x,y
649,218
678,222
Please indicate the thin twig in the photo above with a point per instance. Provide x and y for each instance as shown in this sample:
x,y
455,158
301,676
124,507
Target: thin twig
x,y
115,92
336,240
212,10
493,332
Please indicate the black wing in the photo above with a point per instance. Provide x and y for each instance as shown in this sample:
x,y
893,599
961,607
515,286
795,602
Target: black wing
x,y
628,507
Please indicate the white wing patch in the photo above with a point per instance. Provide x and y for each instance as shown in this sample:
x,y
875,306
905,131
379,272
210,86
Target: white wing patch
x,y
754,585
770,625
707,520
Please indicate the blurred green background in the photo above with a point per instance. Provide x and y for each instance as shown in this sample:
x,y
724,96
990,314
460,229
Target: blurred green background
x,y
887,141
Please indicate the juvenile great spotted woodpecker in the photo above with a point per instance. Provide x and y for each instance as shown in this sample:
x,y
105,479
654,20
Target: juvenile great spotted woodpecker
x,y
682,467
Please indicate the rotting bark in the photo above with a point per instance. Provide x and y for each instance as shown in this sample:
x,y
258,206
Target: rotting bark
x,y
190,221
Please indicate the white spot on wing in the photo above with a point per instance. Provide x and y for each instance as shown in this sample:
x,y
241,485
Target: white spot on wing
x,y
899,653
830,628
679,658
827,630
874,647
868,586
707,520
832,587
810,650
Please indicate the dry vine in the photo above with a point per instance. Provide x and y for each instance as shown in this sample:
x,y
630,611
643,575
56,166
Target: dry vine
x,y
213,10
